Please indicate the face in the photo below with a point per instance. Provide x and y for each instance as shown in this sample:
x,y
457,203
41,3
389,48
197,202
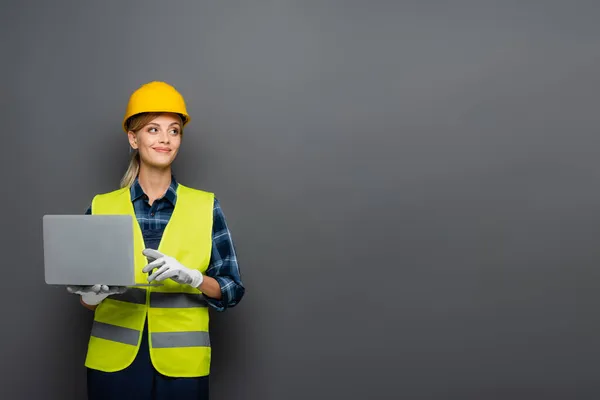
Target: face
x,y
158,142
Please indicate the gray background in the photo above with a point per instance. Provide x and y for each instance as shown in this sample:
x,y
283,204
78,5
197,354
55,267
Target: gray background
x,y
412,187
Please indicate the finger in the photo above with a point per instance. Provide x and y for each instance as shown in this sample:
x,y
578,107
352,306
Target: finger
x,y
154,264
167,274
96,288
73,289
158,272
152,253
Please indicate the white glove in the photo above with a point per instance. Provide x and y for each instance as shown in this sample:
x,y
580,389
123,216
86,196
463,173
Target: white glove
x,y
93,295
168,267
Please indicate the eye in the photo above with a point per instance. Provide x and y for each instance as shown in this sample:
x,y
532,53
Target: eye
x,y
174,131
152,130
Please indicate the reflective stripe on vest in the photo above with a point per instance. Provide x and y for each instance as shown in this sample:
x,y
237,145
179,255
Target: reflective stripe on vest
x,y
177,315
162,299
160,340
132,295
176,300
115,333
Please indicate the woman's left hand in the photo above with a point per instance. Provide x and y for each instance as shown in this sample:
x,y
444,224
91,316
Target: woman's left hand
x,y
169,267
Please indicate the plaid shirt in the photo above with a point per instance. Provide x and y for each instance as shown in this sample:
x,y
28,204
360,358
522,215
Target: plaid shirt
x,y
223,264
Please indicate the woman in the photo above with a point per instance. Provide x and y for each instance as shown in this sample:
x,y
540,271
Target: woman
x,y
153,342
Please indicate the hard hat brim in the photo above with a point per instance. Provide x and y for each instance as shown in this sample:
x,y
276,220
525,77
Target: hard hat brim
x,y
184,117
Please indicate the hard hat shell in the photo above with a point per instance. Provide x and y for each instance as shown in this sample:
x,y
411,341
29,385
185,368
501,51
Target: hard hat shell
x,y
156,97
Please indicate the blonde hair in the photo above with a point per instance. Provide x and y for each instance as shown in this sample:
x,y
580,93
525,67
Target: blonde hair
x,y
134,124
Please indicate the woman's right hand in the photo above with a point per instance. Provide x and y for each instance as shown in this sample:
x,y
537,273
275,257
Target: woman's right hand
x,y
93,295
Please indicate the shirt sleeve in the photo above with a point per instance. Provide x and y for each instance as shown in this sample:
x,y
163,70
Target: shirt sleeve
x,y
223,266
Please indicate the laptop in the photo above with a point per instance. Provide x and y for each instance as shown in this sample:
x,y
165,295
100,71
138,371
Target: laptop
x,y
83,250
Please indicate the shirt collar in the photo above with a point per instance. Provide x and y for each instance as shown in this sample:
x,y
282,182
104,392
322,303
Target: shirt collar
x,y
136,191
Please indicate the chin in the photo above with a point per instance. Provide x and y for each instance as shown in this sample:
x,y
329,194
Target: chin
x,y
161,165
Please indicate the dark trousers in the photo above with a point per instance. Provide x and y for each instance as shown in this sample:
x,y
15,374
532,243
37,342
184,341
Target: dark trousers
x,y
140,381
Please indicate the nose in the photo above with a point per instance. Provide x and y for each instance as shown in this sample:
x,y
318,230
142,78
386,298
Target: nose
x,y
163,137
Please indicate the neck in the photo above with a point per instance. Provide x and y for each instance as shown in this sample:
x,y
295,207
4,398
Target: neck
x,y
154,182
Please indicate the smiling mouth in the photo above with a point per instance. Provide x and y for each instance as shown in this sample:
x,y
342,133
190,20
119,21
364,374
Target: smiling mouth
x,y
160,150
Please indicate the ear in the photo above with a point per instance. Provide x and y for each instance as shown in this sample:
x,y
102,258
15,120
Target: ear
x,y
132,139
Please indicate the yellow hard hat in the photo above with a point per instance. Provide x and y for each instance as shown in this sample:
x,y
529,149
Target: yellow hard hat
x,y
156,97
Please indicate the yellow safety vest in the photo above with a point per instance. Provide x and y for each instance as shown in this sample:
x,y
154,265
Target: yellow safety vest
x,y
177,314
